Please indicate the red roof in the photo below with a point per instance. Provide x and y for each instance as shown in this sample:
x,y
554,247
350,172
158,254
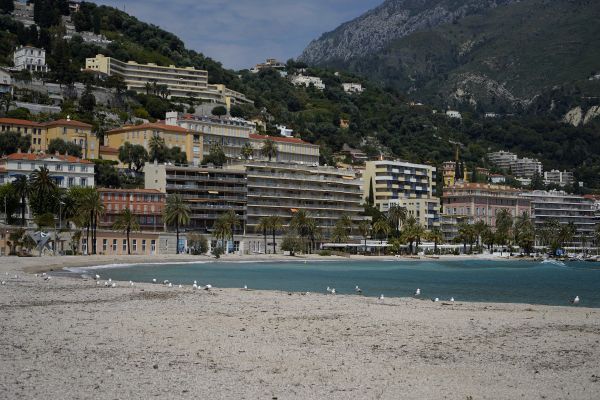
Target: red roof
x,y
162,127
278,139
15,121
107,149
155,191
68,122
41,156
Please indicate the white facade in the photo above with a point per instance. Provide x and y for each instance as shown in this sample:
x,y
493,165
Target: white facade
x,y
561,178
285,131
67,171
302,80
30,58
453,114
5,82
352,87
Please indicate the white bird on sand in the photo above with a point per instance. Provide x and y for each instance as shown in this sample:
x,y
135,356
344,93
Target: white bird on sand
x,y
418,292
47,277
154,280
179,286
165,281
195,285
97,283
36,275
96,277
114,285
208,287
3,282
575,301
130,283
43,274
452,299
170,284
332,290
328,289
105,284
357,289
381,297
109,279
436,299
245,287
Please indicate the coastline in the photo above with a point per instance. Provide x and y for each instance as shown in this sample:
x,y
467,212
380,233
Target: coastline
x,y
70,338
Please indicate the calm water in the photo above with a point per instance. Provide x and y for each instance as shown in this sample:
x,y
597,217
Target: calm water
x,y
488,281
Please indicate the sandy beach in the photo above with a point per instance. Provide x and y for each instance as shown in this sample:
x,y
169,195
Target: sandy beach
x,y
70,339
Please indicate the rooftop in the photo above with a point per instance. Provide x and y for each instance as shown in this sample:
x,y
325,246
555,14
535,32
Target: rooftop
x,y
162,127
15,121
278,139
44,156
153,191
67,122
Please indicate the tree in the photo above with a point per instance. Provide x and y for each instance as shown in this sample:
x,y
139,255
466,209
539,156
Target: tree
x,y
7,6
537,182
371,198
504,223
87,102
342,229
92,207
479,227
597,238
247,151
127,222
231,218
466,235
12,142
6,101
157,149
177,213
291,243
381,229
215,156
524,232
219,111
396,216
22,191
269,149
42,198
435,235
275,224
306,227
9,201
62,147
364,229
222,230
263,226
198,244
236,111
133,155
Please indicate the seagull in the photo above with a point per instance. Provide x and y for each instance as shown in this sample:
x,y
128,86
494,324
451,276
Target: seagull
x,y
357,289
43,274
333,291
3,283
328,289
170,284
381,297
165,281
208,287
195,285
114,285
154,280
47,277
36,275
179,286
436,299
418,292
452,299
245,287
110,280
575,301
130,283
97,283
106,284
97,277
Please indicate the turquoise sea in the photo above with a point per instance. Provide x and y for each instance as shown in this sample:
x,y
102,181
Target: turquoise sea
x,y
472,280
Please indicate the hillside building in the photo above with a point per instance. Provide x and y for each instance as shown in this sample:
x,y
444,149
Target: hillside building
x,y
270,63
352,87
146,204
560,178
302,80
30,58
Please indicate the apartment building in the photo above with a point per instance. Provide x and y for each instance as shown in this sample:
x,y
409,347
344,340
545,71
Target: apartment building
x,y
482,202
405,184
519,167
41,134
209,191
560,178
502,159
190,142
281,189
352,87
270,63
30,58
114,243
302,80
233,133
180,81
67,171
565,208
146,204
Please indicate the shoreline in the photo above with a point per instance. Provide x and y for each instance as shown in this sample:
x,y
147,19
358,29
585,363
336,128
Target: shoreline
x,y
70,338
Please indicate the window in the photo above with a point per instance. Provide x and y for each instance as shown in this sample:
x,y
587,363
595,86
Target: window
x,y
71,182
114,245
104,245
124,245
143,245
19,165
71,168
58,167
153,246
83,181
134,246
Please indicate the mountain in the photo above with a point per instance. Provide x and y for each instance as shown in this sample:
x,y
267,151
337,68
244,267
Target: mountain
x,y
479,54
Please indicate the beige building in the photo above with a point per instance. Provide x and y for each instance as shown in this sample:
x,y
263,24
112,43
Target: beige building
x,y
180,81
42,134
405,184
173,136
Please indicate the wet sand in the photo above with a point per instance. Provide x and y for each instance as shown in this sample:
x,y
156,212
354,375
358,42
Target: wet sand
x,y
71,339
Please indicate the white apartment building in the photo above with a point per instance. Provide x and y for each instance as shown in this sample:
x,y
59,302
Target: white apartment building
x,y
526,167
66,170
453,114
352,87
302,80
502,159
556,177
405,184
30,58
180,81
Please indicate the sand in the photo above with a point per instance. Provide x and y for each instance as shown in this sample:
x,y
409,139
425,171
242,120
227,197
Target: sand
x,y
69,339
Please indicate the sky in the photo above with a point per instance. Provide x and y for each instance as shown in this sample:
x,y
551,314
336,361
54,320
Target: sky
x,y
241,33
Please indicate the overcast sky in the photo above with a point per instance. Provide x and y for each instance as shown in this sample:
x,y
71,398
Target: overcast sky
x,y
241,33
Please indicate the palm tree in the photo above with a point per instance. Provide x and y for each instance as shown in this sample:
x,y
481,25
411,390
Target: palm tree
x,y
466,234
269,149
364,228
222,229
263,226
156,145
342,229
435,235
177,213
127,222
409,232
382,229
231,219
504,223
92,204
397,216
479,227
275,224
22,190
524,232
247,151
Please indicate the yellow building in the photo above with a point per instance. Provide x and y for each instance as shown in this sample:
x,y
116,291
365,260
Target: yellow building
x,y
449,173
190,142
42,134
